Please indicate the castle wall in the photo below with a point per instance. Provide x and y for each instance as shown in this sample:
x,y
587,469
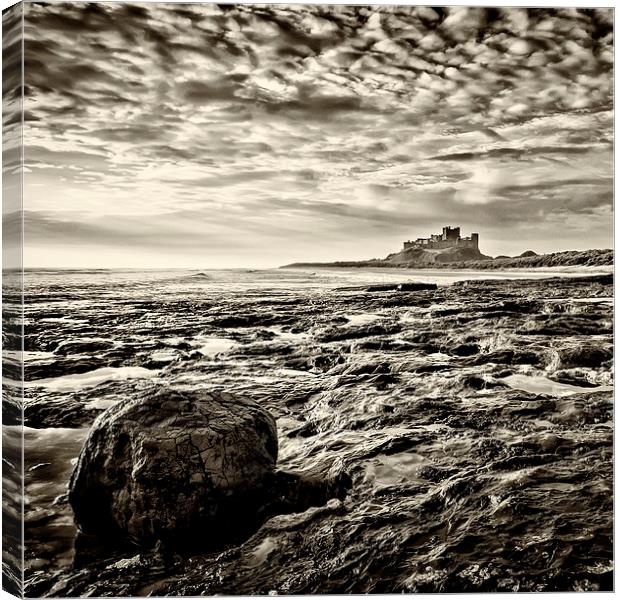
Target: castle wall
x,y
443,244
467,243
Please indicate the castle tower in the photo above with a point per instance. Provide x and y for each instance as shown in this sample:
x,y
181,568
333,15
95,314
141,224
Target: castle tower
x,y
451,234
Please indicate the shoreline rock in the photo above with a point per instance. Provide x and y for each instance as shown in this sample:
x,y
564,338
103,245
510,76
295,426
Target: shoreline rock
x,y
186,470
174,466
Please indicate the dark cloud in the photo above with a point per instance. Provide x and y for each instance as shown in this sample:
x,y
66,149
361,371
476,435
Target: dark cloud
x,y
132,134
557,185
11,70
130,231
514,153
199,92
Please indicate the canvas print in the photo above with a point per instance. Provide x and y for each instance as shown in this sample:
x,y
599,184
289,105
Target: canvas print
x,y
306,299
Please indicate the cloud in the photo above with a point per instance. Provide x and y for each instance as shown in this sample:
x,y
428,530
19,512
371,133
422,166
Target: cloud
x,y
314,120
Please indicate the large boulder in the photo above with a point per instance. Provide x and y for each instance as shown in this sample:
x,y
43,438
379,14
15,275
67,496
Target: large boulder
x,y
193,467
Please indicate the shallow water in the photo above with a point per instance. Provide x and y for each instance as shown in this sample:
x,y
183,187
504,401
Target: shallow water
x,y
80,381
538,384
49,459
472,469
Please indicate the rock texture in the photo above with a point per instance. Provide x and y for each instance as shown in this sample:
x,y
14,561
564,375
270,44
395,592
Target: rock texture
x,y
175,466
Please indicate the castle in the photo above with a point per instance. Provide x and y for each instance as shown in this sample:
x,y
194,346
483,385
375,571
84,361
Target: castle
x,y
450,237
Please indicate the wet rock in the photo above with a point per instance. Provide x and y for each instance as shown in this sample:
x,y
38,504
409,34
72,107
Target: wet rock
x,y
250,320
475,382
265,349
175,466
421,337
295,492
238,321
308,429
324,362
578,377
265,334
526,307
412,286
388,344
415,286
526,357
365,368
337,334
64,366
408,300
433,368
57,412
583,355
435,474
465,349
446,312
567,324
11,404
182,345
382,288
159,361
316,362
514,463
507,357
83,347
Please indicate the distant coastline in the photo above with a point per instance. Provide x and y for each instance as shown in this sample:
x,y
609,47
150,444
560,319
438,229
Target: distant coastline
x,y
570,258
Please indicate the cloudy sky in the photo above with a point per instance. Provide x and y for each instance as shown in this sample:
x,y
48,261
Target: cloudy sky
x,y
205,136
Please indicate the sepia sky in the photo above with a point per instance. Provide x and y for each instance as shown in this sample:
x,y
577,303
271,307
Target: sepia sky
x,y
194,135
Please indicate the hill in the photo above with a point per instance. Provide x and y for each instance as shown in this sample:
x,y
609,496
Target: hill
x,y
470,258
422,256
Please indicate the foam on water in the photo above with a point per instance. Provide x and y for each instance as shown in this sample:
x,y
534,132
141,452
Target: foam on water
x,y
361,319
210,346
91,378
101,403
538,384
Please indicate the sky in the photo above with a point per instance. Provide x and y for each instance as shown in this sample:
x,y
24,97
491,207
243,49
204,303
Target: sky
x,y
197,135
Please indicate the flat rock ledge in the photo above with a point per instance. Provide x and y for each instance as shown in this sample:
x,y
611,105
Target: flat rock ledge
x,y
175,466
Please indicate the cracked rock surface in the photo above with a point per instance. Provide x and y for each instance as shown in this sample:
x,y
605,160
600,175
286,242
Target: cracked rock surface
x,y
176,466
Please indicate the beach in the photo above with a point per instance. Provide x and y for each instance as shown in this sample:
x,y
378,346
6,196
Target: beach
x,y
474,421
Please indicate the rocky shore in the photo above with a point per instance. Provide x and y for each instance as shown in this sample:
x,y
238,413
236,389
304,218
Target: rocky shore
x,y
469,259
415,438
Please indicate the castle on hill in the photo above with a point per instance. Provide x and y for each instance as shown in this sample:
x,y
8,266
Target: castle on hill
x,y
450,237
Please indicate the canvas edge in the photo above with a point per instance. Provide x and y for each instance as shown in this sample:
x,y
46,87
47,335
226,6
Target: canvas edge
x,y
12,302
